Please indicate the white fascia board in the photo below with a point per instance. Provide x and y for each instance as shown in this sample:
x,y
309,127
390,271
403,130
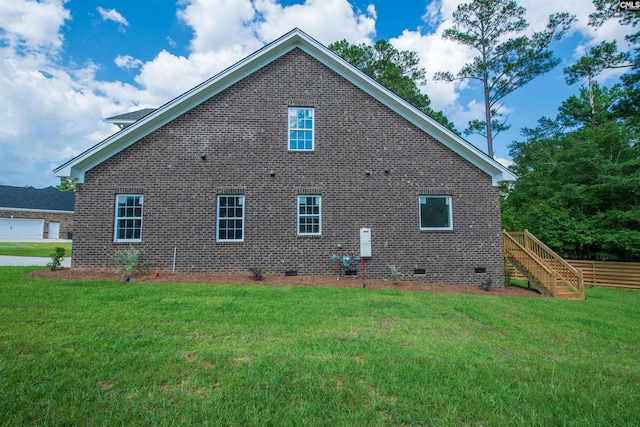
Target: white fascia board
x,y
35,210
121,121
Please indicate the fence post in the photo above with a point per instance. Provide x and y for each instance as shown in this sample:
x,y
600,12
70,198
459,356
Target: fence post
x,y
581,283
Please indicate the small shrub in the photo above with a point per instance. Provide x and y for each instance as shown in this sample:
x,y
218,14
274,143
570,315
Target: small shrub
x,y
257,273
56,258
486,285
128,261
395,274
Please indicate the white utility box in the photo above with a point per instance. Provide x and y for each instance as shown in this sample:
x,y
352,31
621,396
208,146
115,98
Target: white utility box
x,y
365,242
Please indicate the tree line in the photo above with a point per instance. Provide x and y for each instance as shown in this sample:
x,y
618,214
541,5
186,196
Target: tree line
x,y
578,186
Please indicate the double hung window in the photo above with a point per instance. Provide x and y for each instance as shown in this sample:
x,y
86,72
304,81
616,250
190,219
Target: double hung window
x,y
301,129
128,219
230,224
309,215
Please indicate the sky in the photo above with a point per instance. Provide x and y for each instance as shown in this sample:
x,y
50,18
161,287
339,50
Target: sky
x,y
66,65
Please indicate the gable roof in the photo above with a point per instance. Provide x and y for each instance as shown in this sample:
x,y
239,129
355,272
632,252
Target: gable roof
x,y
76,167
29,198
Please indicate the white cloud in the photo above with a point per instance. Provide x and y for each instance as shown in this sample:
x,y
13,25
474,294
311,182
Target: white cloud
x,y
504,162
219,23
247,24
127,62
473,110
48,112
436,55
31,24
112,15
325,20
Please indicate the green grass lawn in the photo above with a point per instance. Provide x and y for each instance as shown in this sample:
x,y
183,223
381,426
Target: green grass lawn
x,y
40,249
112,353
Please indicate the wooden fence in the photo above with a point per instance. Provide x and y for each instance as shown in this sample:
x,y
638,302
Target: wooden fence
x,y
623,275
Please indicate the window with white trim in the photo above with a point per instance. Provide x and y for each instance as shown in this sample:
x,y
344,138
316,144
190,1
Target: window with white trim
x,y
301,129
230,224
128,218
436,213
309,215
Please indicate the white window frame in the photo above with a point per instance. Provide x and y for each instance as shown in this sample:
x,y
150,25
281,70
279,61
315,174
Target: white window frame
x,y
292,127
118,218
448,203
305,215
219,218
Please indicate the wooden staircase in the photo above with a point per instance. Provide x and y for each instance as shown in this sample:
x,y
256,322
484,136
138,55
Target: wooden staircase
x,y
542,267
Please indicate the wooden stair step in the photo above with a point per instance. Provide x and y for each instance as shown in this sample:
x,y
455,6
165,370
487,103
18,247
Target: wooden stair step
x,y
522,249
570,295
563,291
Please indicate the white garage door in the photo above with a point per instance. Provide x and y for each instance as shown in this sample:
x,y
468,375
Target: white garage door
x,y
18,228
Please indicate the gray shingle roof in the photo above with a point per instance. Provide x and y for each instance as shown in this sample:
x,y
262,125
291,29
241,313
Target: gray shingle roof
x,y
49,198
131,116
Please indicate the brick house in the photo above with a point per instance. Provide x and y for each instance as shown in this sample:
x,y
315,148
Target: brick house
x,y
279,162
28,213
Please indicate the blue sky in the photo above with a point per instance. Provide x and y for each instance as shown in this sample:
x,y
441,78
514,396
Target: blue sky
x,y
65,65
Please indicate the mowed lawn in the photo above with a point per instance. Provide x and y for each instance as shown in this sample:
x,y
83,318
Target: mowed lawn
x,y
110,353
37,249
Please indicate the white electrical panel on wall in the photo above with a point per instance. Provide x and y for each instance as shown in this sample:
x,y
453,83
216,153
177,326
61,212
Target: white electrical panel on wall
x,y
365,242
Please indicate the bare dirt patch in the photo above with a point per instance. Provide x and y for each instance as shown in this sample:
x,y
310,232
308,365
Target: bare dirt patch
x,y
278,280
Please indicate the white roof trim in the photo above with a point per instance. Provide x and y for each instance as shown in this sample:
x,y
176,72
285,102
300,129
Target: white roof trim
x,y
76,167
119,121
35,210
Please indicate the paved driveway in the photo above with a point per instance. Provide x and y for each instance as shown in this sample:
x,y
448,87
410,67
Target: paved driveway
x,y
29,260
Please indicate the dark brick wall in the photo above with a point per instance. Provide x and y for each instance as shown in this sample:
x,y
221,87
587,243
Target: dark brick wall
x,y
65,220
243,132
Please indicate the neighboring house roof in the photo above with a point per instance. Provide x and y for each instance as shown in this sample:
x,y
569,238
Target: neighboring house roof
x,y
29,198
126,119
76,167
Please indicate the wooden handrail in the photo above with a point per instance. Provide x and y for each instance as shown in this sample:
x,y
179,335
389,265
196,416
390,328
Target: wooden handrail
x,y
566,273
545,276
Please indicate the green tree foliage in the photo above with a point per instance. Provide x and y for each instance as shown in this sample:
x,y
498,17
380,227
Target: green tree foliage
x,y
396,70
579,174
578,190
503,63
597,59
629,106
593,106
67,184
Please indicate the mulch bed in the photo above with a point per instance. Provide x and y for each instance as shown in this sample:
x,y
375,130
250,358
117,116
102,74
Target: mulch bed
x,y
278,280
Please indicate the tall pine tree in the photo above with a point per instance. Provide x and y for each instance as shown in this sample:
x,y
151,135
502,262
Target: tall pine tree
x,y
505,59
